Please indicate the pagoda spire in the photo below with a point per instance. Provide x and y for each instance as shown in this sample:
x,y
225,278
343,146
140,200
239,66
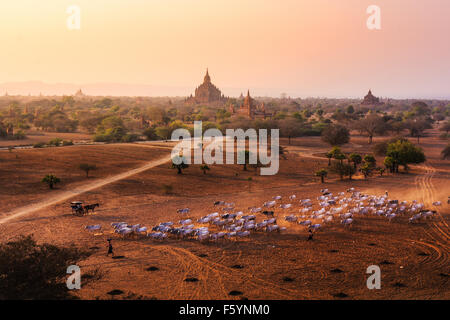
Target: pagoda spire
x,y
207,77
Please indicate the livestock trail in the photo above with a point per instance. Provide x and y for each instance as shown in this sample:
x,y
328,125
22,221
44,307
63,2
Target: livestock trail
x,y
438,234
217,273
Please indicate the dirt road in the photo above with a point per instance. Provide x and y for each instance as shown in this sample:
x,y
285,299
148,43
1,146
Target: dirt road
x,y
68,194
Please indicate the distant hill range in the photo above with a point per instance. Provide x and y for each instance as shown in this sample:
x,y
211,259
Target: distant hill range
x,y
36,88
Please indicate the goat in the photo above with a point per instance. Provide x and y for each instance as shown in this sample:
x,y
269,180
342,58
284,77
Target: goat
x,y
347,222
94,227
271,228
182,211
255,210
157,235
269,204
305,223
291,218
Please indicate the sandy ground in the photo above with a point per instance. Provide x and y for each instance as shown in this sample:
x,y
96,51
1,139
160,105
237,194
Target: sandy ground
x,y
414,259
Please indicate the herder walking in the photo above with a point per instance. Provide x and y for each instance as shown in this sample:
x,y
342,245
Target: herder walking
x,y
110,248
310,236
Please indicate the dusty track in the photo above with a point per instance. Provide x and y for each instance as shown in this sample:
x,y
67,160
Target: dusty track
x,y
437,231
65,195
68,194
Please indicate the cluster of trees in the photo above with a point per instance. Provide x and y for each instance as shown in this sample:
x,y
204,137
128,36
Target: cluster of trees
x,y
401,152
55,120
51,180
418,119
397,152
56,142
127,119
445,128
35,271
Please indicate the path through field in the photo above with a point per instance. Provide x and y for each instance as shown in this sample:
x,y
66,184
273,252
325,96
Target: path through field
x,y
68,194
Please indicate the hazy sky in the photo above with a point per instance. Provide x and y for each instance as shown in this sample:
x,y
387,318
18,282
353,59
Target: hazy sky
x,y
303,48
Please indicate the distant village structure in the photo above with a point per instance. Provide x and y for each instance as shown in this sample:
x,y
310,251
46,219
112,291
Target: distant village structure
x,y
250,109
79,94
371,100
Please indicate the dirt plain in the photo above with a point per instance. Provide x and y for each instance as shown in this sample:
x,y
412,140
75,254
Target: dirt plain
x,y
414,258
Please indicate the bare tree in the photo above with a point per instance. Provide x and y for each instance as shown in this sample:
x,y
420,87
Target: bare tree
x,y
372,124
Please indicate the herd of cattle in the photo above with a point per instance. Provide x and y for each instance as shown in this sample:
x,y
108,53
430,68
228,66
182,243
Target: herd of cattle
x,y
228,223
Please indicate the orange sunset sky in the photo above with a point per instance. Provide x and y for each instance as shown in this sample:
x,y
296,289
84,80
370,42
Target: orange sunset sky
x,y
303,48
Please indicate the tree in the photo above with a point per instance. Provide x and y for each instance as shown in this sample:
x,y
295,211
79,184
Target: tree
x,y
110,129
51,180
380,148
389,164
397,126
179,163
335,152
417,127
366,169
355,158
329,155
380,170
282,152
343,169
246,155
163,132
445,127
403,152
340,156
204,168
372,124
336,135
150,133
290,128
86,167
322,173
30,271
420,108
370,160
446,152
438,117
350,109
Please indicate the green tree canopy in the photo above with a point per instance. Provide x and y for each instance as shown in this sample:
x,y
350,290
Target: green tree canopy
x,y
51,180
403,152
336,135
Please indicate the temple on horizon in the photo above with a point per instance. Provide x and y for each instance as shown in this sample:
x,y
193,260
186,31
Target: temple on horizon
x,y
207,92
250,108
371,100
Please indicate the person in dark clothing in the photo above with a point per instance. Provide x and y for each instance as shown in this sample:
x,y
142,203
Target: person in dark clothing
x,y
110,248
310,236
